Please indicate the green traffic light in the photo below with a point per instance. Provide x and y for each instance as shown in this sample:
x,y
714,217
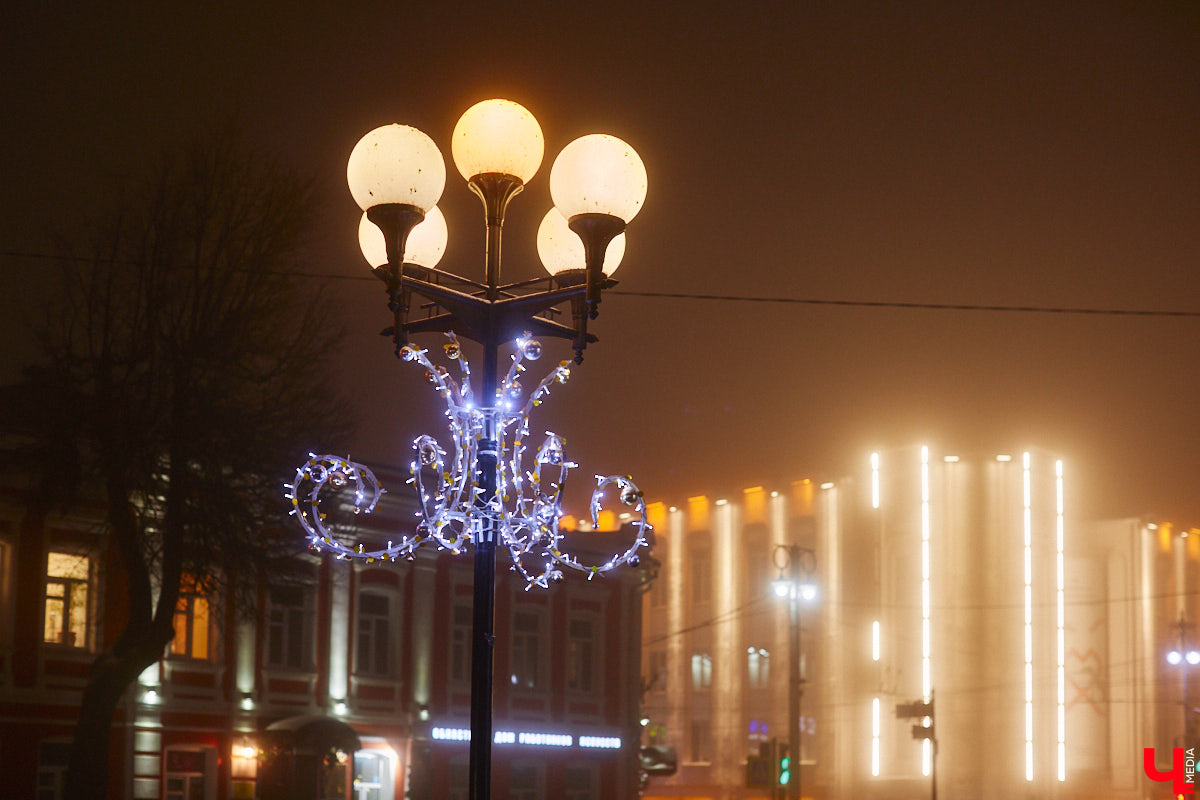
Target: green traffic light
x,y
785,764
784,777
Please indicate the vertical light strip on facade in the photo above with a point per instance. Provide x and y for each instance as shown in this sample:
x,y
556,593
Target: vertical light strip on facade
x,y
1027,522
926,643
1061,620
875,738
874,480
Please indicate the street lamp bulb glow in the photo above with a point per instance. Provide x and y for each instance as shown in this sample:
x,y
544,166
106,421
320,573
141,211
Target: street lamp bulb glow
x,y
1193,657
425,247
396,164
808,592
598,174
781,587
497,136
1174,657
560,248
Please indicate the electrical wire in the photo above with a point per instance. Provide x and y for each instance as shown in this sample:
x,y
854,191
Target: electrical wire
x,y
812,301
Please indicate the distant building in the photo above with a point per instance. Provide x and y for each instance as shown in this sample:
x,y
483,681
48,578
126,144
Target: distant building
x,y
355,685
969,581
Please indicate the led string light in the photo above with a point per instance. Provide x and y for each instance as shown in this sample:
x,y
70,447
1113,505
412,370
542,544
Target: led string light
x,y
527,504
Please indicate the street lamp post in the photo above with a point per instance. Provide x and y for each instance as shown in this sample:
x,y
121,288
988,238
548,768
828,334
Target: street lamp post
x,y
797,587
1177,658
484,496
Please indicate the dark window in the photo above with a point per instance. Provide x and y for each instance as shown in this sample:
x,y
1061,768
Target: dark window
x,y
460,644
288,625
374,643
581,655
526,664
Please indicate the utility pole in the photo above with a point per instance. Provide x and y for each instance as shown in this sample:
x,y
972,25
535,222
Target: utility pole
x,y
796,587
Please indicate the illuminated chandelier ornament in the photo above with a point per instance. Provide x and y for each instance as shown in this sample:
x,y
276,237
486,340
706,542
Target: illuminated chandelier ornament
x,y
527,506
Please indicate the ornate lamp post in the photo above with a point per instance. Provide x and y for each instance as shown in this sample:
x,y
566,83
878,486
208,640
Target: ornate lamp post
x,y
798,588
482,495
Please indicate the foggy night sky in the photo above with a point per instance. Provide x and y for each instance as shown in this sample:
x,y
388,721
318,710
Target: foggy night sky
x,y
993,153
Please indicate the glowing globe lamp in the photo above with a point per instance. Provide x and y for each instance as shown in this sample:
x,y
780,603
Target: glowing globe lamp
x,y
425,247
497,136
598,174
396,164
561,249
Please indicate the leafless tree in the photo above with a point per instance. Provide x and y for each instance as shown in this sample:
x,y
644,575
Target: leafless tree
x,y
183,375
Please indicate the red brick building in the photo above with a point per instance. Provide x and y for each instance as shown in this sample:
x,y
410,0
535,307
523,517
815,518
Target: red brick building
x,y
355,685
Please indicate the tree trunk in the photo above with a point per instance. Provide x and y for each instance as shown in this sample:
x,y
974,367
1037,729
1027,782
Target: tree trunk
x,y
111,675
141,644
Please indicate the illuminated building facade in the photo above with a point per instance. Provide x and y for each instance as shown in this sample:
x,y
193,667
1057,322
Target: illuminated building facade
x,y
374,656
970,581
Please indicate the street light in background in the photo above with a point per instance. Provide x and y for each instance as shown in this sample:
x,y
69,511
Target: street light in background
x,y
484,494
1183,658
795,584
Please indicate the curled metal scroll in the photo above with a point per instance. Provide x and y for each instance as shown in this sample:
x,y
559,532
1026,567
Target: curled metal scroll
x,y
526,510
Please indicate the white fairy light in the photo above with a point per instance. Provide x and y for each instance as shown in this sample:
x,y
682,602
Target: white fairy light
x,y
525,511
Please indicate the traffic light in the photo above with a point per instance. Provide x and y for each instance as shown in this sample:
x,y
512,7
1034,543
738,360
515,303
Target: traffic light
x,y
784,775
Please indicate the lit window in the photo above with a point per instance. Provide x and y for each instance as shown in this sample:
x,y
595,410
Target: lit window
x,y
581,655
192,622
758,665
460,644
526,664
701,671
68,579
288,638
374,643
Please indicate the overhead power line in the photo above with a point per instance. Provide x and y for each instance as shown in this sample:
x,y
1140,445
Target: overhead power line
x,y
735,298
1129,312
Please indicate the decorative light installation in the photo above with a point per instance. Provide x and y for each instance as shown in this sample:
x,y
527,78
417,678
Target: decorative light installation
x,y
926,634
527,504
1061,619
874,480
1027,524
875,737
